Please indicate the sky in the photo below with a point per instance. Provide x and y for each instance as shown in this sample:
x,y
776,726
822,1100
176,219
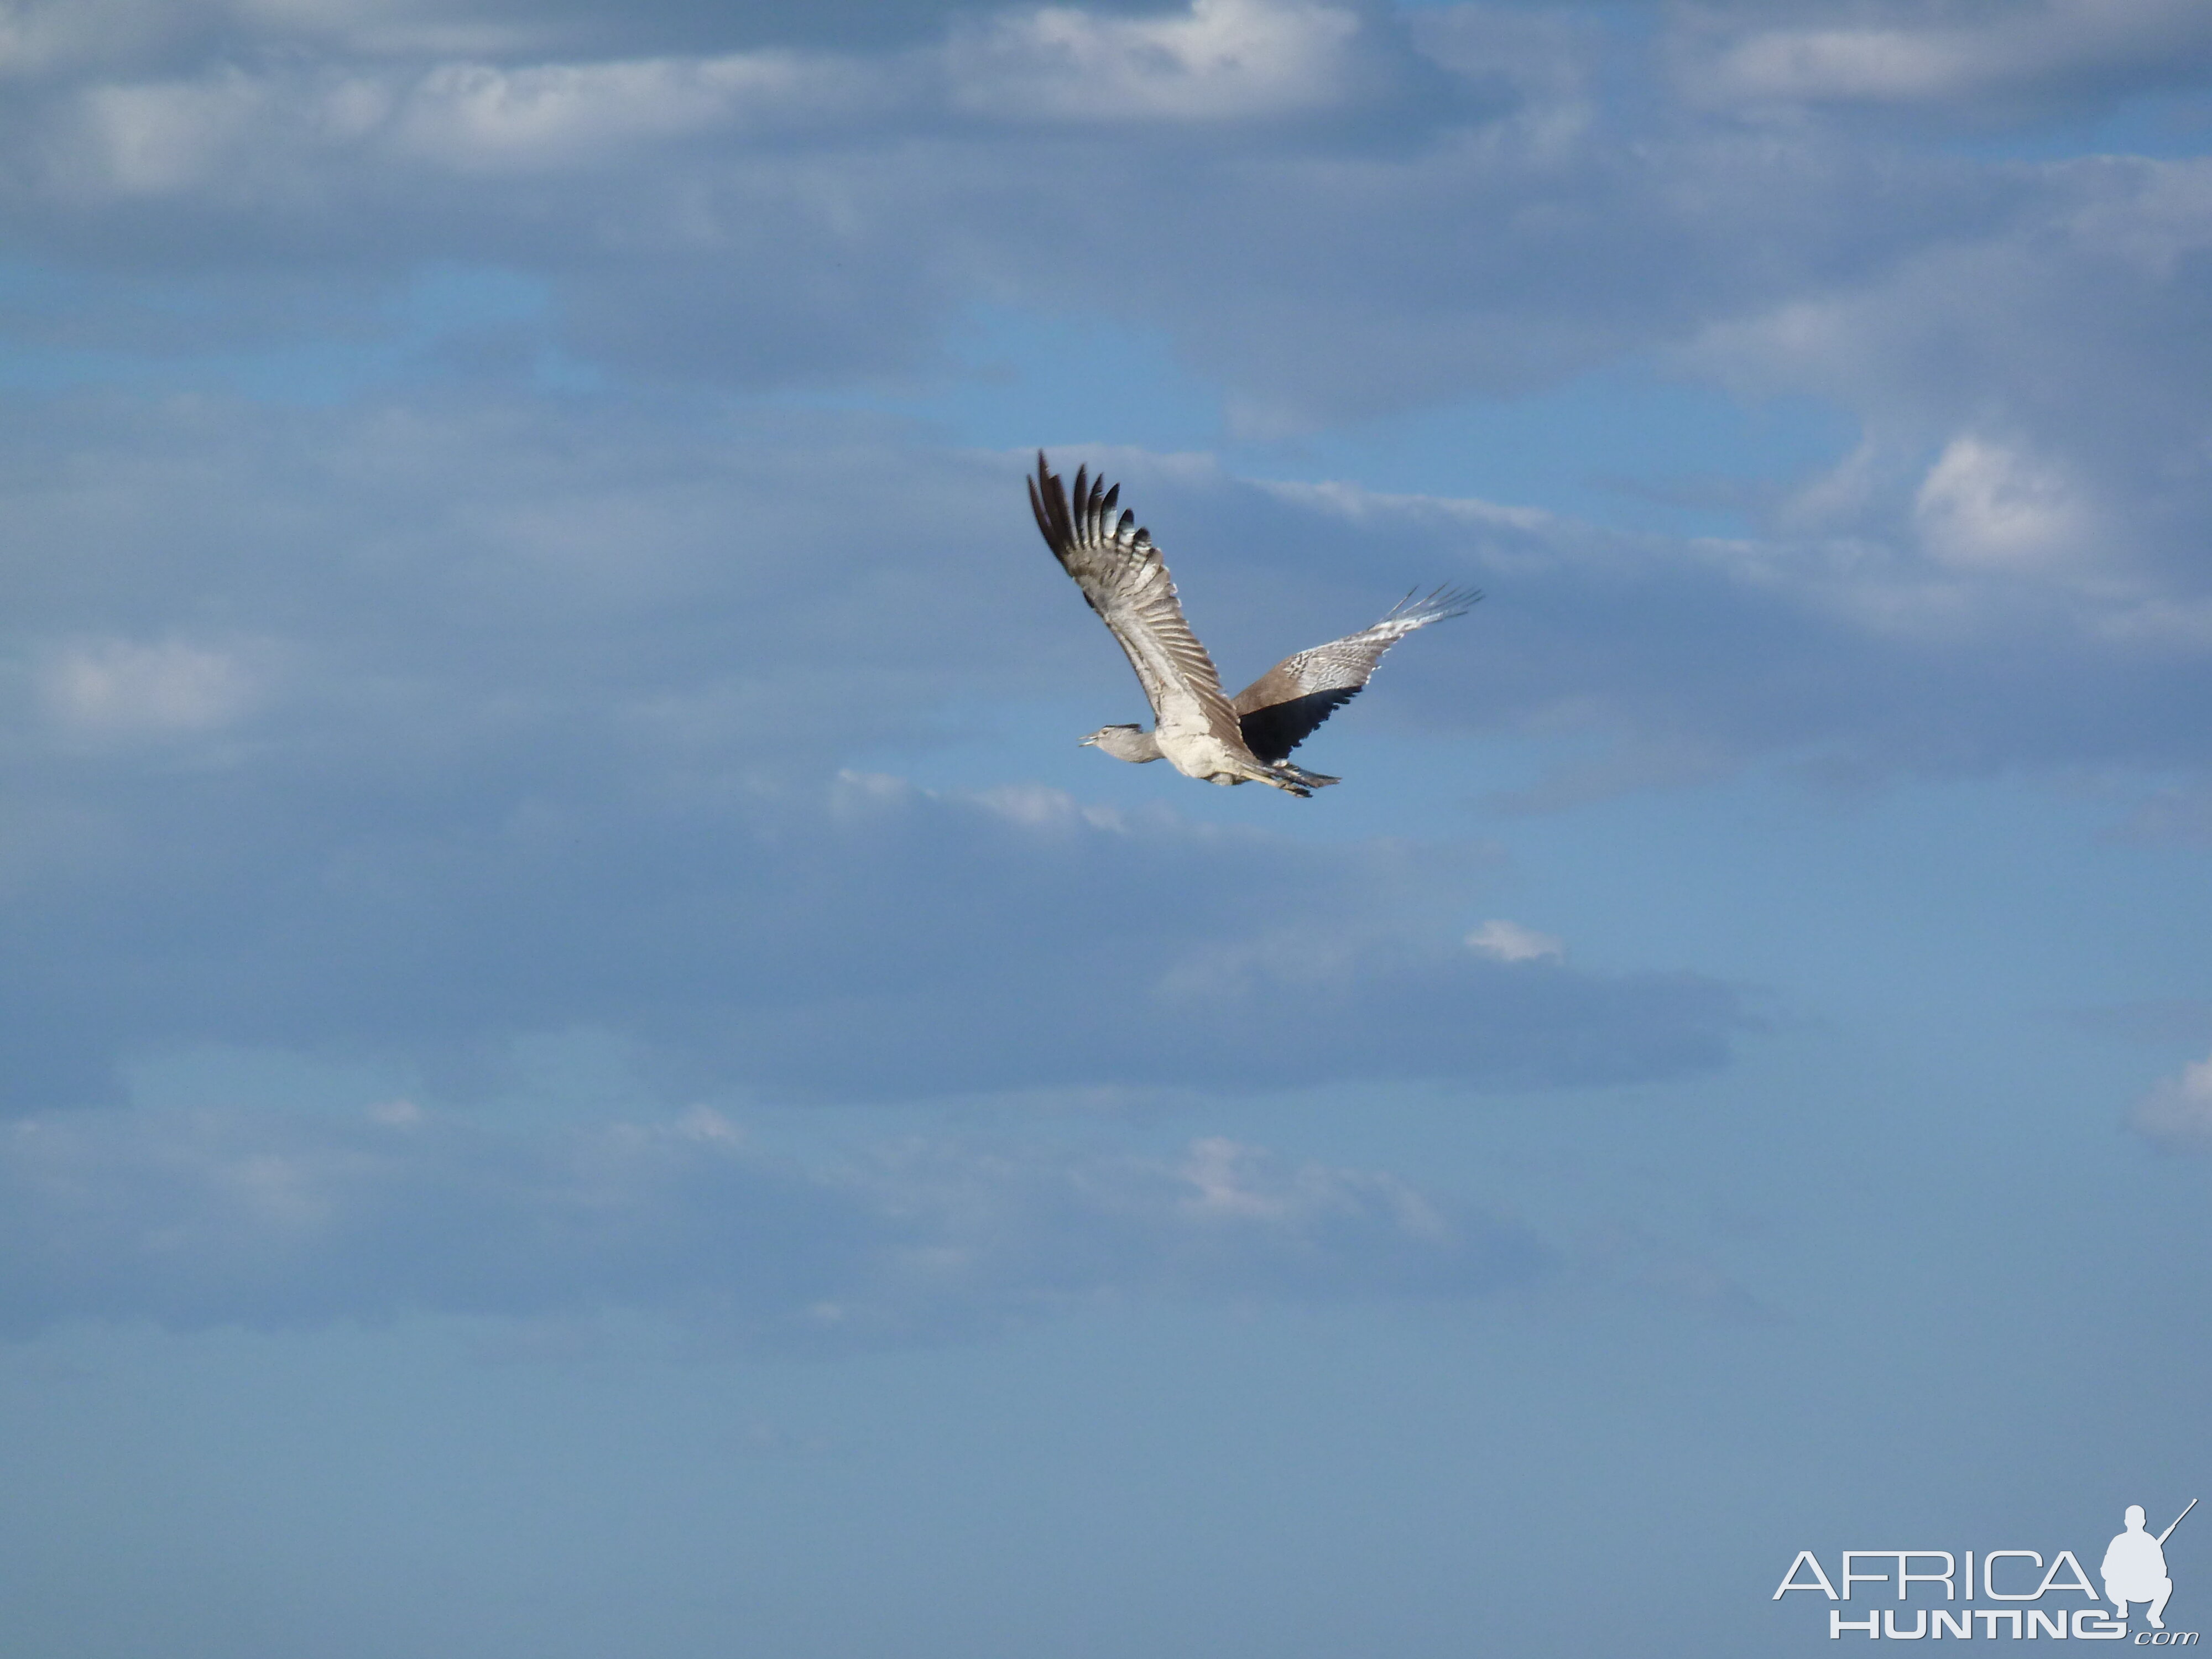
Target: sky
x,y
588,1067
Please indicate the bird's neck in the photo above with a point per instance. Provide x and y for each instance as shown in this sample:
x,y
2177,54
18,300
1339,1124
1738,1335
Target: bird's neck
x,y
1136,747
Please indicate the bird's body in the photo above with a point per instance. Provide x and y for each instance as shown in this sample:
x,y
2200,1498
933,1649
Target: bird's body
x,y
1196,727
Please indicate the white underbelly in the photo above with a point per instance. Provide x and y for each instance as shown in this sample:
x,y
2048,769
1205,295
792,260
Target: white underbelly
x,y
1203,756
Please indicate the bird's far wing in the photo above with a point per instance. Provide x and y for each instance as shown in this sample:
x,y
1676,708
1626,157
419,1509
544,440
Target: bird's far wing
x,y
1126,581
1281,708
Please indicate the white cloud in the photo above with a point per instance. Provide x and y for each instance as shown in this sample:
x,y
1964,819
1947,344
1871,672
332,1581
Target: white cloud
x,y
559,733
122,686
1221,61
2051,51
2154,214
162,138
2177,1113
273,1218
1411,211
2036,350
1509,941
322,128
565,116
1891,64
588,639
1238,1184
1986,506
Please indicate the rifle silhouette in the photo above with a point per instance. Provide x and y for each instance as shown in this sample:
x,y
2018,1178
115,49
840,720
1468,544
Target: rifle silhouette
x,y
2177,1520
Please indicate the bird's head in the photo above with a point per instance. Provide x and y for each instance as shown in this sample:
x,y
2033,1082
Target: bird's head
x,y
1128,743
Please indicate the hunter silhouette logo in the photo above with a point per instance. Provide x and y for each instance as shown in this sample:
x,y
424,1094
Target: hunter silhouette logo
x,y
2134,1572
2134,1566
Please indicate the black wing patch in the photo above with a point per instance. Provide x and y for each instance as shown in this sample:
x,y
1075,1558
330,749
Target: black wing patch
x,y
1271,732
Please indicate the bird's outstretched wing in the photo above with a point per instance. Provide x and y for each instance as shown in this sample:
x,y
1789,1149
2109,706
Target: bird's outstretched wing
x,y
1280,709
1126,581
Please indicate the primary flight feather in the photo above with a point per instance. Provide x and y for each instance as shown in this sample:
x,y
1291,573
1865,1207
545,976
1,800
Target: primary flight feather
x,y
1196,727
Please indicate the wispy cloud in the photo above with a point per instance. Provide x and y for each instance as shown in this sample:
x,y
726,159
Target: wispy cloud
x,y
273,1219
2013,62
567,680
2177,1113
558,749
1222,61
124,686
1509,941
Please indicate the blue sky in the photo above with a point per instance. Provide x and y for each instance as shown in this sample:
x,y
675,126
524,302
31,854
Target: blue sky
x,y
589,1068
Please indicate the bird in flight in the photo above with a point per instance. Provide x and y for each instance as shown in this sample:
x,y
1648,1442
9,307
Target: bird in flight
x,y
1198,728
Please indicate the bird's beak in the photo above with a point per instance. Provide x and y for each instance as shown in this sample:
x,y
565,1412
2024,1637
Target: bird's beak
x,y
1086,743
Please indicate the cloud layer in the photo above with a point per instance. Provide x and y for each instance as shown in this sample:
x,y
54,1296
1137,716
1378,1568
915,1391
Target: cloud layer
x,y
434,624
1331,212
1979,65
271,1220
419,728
